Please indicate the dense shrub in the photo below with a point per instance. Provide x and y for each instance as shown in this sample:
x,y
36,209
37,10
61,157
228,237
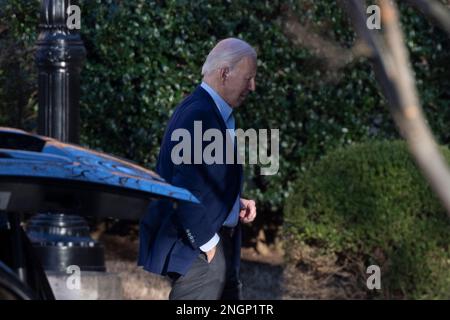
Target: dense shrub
x,y
18,77
144,56
369,203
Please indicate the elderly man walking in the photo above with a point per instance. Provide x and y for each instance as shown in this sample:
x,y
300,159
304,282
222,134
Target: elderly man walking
x,y
198,245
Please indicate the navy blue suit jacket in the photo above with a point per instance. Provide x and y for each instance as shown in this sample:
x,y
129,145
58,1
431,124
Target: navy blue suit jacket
x,y
170,236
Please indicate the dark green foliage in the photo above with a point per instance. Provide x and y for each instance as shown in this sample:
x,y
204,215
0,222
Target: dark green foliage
x,y
144,56
369,203
18,77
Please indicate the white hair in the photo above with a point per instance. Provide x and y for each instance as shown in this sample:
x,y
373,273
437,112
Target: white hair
x,y
227,53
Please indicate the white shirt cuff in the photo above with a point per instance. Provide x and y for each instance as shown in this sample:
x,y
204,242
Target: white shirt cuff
x,y
211,243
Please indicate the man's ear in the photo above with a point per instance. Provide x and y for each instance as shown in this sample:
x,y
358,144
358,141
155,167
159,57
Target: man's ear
x,y
224,72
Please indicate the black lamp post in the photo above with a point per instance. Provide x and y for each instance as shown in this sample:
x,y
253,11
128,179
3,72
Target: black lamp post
x,y
60,55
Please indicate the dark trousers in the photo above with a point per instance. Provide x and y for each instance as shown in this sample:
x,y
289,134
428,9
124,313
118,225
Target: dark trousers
x,y
209,281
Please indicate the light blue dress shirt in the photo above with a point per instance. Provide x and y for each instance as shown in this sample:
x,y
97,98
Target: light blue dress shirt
x,y
227,115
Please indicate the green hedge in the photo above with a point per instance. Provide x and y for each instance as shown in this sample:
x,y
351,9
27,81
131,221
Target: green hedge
x,y
144,56
369,203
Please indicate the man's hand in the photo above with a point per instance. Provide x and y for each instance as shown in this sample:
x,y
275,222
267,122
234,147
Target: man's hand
x,y
248,210
210,254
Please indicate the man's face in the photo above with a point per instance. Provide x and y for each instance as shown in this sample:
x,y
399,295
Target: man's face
x,y
239,82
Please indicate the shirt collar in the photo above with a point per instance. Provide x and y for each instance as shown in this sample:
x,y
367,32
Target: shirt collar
x,y
224,108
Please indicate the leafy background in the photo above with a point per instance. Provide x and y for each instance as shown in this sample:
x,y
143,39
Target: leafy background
x,y
143,57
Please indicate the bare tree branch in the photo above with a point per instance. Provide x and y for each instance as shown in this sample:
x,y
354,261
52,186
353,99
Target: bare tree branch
x,y
435,11
383,63
392,68
304,36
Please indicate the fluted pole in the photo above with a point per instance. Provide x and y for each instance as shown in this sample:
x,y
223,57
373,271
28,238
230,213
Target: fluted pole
x,y
60,55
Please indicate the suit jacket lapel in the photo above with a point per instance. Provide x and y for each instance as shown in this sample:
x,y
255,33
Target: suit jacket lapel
x,y
205,95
